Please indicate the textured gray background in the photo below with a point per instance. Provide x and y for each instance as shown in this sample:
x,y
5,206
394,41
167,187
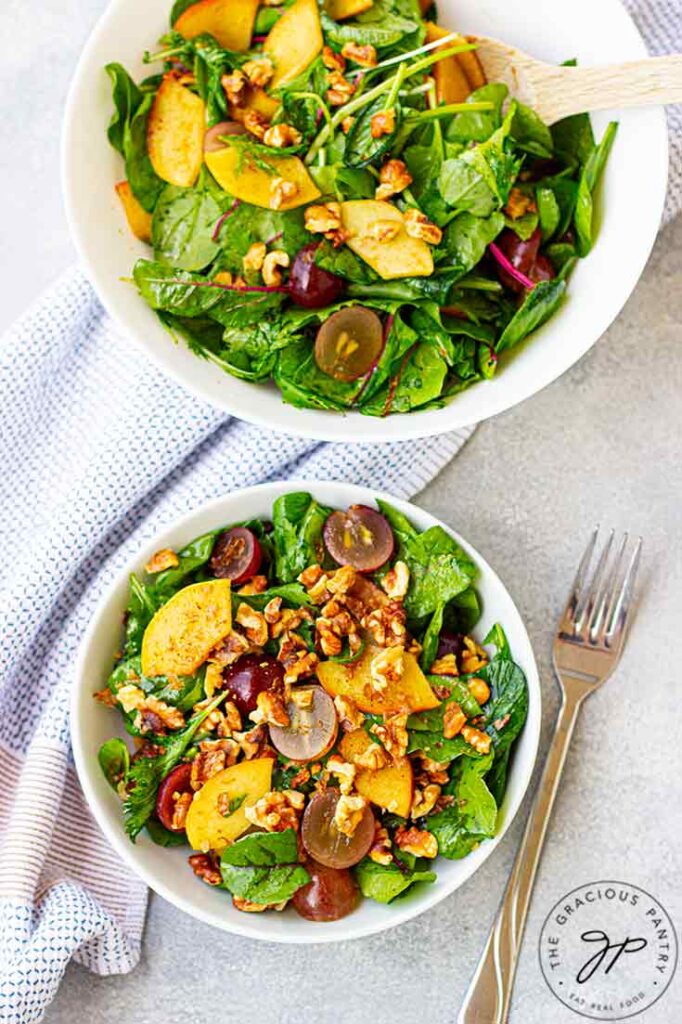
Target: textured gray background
x,y
601,444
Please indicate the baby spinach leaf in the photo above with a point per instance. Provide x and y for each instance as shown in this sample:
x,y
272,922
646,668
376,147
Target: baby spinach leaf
x,y
163,836
537,307
497,636
473,816
128,134
361,146
432,720
298,521
263,867
589,178
530,132
183,225
138,614
431,638
345,263
190,558
573,139
481,178
383,882
114,760
478,125
507,709
548,211
185,294
418,380
466,239
292,594
464,611
463,187
439,570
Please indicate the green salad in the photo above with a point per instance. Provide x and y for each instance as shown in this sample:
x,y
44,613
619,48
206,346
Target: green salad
x,y
338,201
310,711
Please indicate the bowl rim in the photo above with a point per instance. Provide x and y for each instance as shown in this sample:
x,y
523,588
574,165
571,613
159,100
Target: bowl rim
x,y
353,426
86,765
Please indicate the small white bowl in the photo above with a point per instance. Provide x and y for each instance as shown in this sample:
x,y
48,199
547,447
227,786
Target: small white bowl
x,y
166,870
633,193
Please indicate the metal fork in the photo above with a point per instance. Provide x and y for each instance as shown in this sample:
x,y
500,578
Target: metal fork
x,y
587,647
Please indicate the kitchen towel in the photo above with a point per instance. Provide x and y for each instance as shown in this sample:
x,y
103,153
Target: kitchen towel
x,y
98,451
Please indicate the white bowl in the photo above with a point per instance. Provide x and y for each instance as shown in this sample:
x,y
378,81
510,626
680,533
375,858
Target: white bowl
x,y
166,870
633,196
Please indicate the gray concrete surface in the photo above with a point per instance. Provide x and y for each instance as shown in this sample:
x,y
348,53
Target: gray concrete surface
x,y
601,444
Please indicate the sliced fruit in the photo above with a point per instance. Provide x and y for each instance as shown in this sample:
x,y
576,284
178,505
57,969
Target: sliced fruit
x,y
470,63
391,787
341,9
208,828
183,631
368,221
322,839
329,895
241,177
236,555
228,21
360,536
294,41
312,728
255,99
452,85
353,679
213,137
349,342
175,133
139,221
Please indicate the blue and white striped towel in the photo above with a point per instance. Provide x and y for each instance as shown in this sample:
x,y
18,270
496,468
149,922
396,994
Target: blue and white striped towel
x,y
98,450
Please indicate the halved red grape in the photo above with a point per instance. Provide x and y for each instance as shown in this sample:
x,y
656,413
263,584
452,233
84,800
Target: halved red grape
x,y
322,839
309,285
524,255
348,343
177,781
312,729
249,676
329,895
236,555
450,643
360,537
212,137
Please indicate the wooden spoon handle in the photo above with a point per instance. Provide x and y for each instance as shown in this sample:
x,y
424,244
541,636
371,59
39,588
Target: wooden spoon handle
x,y
637,83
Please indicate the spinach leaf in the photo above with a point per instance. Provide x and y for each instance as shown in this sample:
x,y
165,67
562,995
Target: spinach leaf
x,y
466,239
183,225
145,775
163,836
138,614
384,25
477,126
402,527
507,709
418,380
548,211
189,295
361,146
473,816
589,178
292,594
298,521
263,867
190,558
344,263
464,611
114,760
481,178
537,307
530,132
573,139
127,133
432,720
383,882
431,638
439,570
435,746
497,636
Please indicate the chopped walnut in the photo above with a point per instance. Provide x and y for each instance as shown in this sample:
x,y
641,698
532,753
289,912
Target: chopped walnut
x,y
519,204
254,743
232,720
393,178
281,191
259,72
473,657
386,625
212,758
130,697
255,123
349,714
432,767
332,60
479,690
255,256
213,719
382,123
424,800
417,842
213,679
105,697
340,89
480,741
181,805
418,225
342,580
276,811
396,581
454,720
254,624
349,813
300,778
445,666
365,56
272,610
387,667
272,275
312,574
282,135
256,585
204,867
393,733
500,723
288,620
343,771
270,709
304,665
166,558
231,649
347,124
323,217
380,850
234,84
374,756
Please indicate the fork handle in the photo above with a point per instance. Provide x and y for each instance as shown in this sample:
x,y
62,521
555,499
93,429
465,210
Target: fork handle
x,y
489,994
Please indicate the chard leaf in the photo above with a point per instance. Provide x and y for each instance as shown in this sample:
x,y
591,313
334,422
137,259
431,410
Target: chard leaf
x,y
383,883
183,225
263,867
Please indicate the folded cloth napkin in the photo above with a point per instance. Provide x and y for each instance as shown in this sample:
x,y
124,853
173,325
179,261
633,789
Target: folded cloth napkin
x,y
99,450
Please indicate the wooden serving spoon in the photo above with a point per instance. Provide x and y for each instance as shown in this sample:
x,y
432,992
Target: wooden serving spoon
x,y
555,92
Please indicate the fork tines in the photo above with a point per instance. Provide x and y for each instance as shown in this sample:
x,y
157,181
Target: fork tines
x,y
601,597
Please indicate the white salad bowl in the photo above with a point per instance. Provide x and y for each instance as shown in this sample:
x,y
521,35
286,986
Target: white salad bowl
x,y
633,192
166,870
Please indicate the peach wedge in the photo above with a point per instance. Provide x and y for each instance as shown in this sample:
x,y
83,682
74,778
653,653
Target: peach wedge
x,y
228,21
175,133
183,631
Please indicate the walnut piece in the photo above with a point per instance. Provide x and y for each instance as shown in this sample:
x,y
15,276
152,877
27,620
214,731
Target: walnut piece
x,y
480,741
340,89
374,756
323,217
380,850
276,811
396,581
234,84
255,123
418,842
255,256
424,800
272,275
270,710
213,757
181,805
387,667
519,204
393,178
473,657
382,123
454,720
259,72
365,56
166,558
393,733
204,867
349,714
418,225
445,666
343,771
281,191
282,135
253,622
332,60
349,813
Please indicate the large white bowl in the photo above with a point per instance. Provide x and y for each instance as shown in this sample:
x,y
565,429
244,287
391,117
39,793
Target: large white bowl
x,y
166,870
633,191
